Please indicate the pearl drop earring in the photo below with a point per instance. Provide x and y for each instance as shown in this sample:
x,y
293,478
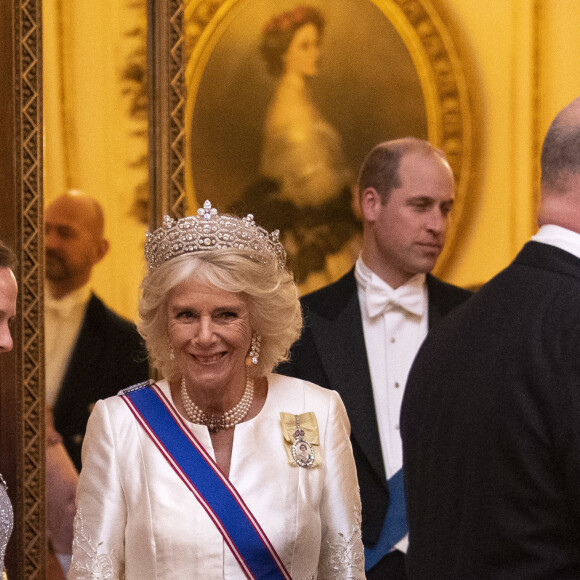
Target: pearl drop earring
x,y
254,353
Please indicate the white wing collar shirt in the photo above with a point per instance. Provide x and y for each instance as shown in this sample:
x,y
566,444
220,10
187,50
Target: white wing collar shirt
x,y
63,321
560,237
395,323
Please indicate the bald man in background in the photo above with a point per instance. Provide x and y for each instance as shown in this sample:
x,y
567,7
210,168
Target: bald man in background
x,y
491,414
91,352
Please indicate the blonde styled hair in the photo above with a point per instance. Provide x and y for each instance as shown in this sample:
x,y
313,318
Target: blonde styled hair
x,y
272,298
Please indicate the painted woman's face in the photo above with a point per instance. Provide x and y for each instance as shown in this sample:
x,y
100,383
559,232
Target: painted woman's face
x,y
304,52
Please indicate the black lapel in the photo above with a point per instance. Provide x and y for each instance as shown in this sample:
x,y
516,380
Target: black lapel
x,y
88,349
340,343
436,309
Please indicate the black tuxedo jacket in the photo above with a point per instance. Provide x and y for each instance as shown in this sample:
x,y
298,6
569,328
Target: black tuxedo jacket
x,y
493,473
108,356
331,353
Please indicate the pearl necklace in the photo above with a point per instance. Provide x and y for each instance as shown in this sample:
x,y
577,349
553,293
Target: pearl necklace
x,y
216,423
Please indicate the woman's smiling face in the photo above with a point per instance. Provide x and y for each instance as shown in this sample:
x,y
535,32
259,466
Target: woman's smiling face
x,y
210,332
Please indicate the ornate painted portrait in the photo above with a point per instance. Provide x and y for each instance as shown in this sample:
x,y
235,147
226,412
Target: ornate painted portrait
x,y
284,100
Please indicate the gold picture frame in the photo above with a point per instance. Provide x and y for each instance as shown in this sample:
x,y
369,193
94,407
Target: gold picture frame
x,y
421,27
166,90
22,371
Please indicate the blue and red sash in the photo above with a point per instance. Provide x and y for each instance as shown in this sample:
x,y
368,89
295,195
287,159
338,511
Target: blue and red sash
x,y
201,475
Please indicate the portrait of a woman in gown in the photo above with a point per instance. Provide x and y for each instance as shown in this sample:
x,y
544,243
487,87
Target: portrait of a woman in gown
x,y
301,149
305,184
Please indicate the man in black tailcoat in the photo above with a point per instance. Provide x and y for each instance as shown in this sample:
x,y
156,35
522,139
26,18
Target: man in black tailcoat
x,y
491,415
91,352
362,332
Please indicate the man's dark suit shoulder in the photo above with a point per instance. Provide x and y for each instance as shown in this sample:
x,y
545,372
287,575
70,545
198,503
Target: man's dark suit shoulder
x,y
123,354
108,318
324,301
500,376
109,355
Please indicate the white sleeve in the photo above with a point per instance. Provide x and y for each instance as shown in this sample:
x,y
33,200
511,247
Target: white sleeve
x,y
342,552
98,546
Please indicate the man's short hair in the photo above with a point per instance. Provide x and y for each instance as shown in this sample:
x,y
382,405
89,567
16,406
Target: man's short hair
x,y
560,154
380,168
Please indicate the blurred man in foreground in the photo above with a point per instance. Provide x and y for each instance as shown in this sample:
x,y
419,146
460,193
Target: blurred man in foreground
x,y
491,415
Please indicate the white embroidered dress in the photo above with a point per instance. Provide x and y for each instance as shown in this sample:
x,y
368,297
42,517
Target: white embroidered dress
x,y
137,520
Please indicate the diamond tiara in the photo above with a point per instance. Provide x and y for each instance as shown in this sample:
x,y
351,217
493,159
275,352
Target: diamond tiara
x,y
210,231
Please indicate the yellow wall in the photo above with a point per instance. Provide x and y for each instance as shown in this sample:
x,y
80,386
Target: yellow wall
x,y
90,141
524,58
559,57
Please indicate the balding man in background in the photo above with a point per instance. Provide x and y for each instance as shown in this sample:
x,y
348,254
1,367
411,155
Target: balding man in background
x,y
91,352
490,420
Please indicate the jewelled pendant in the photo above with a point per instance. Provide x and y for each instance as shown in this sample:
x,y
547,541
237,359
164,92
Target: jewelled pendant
x,y
302,450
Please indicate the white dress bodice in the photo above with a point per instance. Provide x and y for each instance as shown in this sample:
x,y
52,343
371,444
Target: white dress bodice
x,y
137,520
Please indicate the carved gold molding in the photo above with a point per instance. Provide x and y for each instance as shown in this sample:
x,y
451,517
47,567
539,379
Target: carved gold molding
x,y
167,101
29,535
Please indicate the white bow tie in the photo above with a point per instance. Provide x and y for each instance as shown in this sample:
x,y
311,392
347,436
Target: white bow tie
x,y
380,298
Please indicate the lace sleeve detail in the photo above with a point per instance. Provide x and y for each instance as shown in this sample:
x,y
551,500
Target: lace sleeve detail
x,y
343,555
89,561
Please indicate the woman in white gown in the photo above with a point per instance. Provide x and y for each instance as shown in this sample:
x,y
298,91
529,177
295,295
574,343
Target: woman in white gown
x,y
306,184
176,486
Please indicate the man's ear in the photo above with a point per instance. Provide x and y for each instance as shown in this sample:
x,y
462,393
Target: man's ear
x,y
102,249
370,202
